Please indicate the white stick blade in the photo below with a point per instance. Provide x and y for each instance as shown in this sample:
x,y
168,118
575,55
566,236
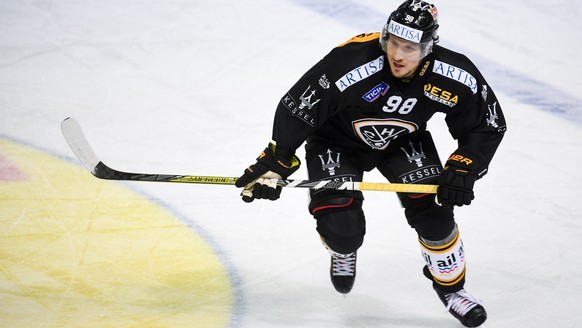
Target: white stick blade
x,y
78,142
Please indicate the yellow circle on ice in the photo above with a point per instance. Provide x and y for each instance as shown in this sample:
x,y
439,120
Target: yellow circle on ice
x,y
76,251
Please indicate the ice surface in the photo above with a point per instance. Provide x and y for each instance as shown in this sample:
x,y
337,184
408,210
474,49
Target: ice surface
x,y
190,87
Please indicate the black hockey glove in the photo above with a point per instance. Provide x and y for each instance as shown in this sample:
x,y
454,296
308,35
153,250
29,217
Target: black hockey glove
x,y
260,179
458,178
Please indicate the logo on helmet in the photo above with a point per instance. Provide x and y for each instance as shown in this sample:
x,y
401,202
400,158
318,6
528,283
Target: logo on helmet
x,y
419,4
404,32
434,12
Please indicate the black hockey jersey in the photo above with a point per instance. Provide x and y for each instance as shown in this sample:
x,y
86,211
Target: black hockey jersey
x,y
350,98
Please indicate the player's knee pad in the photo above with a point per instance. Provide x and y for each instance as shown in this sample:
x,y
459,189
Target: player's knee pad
x,y
431,221
445,261
340,222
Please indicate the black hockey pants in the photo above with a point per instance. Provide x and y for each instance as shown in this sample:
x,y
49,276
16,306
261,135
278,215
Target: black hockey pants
x,y
340,218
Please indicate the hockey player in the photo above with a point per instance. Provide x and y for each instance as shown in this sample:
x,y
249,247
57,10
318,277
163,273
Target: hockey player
x,y
366,105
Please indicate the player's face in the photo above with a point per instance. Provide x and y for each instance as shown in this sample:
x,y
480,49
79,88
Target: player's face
x,y
403,56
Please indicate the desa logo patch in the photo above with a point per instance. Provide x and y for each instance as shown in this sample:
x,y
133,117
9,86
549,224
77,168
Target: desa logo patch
x,y
441,96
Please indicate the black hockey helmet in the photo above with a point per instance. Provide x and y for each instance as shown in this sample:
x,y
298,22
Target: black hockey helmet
x,y
413,20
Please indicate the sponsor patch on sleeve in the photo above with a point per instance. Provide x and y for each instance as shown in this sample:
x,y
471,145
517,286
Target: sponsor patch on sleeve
x,y
297,110
360,73
455,73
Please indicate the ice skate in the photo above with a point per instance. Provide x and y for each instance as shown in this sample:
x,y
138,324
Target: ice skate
x,y
465,307
342,270
462,305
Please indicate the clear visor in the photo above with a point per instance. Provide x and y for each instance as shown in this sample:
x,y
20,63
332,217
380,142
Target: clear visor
x,y
406,48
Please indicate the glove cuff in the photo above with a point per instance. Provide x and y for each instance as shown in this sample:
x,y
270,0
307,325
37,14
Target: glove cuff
x,y
278,164
469,160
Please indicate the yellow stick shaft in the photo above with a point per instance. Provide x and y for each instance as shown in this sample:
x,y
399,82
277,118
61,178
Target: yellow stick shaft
x,y
398,187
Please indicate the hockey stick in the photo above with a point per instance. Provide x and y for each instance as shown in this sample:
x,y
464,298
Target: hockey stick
x,y
78,142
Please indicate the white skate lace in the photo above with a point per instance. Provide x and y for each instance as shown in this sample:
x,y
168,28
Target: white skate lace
x,y
461,302
343,264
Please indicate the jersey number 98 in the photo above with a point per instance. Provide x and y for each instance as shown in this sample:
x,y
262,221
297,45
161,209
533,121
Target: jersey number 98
x,y
396,103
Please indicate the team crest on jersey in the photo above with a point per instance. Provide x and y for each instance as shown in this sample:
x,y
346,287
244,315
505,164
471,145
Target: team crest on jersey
x,y
379,133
